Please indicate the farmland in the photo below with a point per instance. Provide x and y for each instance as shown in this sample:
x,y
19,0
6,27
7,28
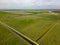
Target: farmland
x,y
40,26
8,38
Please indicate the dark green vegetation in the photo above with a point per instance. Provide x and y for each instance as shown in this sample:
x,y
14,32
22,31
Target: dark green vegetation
x,y
40,26
58,11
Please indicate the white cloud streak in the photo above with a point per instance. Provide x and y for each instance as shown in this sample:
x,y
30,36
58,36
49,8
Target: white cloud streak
x,y
27,3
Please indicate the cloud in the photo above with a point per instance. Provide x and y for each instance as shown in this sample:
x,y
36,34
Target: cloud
x,y
27,3
17,3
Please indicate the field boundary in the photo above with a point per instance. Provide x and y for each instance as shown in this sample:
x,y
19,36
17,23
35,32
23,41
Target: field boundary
x,y
52,26
19,34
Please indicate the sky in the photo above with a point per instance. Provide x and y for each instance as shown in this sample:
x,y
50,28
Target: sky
x,y
29,4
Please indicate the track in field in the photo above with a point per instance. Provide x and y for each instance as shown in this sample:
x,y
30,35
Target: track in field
x,y
19,34
50,28
32,42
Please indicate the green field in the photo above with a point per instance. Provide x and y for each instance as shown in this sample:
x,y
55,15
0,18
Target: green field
x,y
8,38
40,26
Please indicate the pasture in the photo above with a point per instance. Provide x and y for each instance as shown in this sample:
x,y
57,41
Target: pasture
x,y
40,26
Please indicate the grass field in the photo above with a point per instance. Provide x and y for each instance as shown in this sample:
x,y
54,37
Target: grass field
x,y
8,38
40,26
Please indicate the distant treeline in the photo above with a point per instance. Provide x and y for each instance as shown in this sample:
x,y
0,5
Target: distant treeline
x,y
56,11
